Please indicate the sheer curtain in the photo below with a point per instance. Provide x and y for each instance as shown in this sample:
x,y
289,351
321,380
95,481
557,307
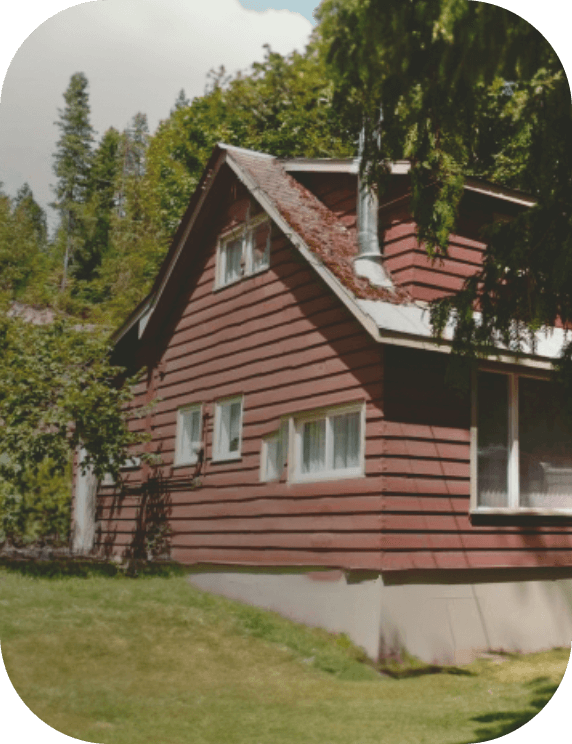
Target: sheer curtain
x,y
233,260
545,442
314,446
493,444
346,438
190,434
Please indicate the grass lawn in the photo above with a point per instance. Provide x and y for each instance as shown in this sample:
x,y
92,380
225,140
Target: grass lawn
x,y
136,661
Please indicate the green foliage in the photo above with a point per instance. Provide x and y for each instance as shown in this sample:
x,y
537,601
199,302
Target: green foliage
x,y
57,391
466,89
40,512
283,106
21,242
101,198
28,209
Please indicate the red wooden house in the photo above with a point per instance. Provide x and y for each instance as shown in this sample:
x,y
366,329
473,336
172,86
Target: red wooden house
x,y
314,458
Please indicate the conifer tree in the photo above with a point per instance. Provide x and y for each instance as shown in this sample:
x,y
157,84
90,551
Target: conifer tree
x,y
72,162
101,201
466,89
25,204
182,101
22,239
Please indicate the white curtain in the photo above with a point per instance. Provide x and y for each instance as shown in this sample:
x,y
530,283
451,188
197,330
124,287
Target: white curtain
x,y
346,438
314,446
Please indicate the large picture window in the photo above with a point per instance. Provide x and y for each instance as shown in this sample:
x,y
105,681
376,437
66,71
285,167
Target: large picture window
x,y
329,444
523,443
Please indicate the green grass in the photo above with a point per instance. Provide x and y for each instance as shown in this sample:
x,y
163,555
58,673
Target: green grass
x,y
134,661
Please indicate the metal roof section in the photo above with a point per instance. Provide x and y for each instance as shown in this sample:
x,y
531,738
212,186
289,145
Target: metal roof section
x,y
410,325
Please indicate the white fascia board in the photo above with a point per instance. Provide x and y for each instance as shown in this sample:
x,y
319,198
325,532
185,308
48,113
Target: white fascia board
x,y
410,325
144,318
489,189
333,283
400,167
321,166
256,153
181,244
118,335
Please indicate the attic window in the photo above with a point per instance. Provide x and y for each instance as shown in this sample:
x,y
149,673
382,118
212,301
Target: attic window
x,y
244,252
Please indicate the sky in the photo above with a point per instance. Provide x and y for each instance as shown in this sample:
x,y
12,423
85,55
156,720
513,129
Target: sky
x,y
137,55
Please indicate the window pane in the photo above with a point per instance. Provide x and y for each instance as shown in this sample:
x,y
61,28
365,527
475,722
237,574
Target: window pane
x,y
234,426
492,473
261,247
273,458
232,260
346,436
314,446
545,445
190,433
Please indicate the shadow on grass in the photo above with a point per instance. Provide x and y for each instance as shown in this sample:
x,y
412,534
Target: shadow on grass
x,y
422,670
59,568
495,725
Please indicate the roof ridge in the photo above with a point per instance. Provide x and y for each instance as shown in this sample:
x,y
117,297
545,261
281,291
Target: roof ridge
x,y
246,151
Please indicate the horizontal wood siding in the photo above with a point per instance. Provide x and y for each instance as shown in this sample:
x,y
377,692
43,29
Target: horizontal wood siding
x,y
410,266
285,343
426,467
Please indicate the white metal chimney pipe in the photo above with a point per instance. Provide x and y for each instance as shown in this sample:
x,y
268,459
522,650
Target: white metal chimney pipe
x,y
369,261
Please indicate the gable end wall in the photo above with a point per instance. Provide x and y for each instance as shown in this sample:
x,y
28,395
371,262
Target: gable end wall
x,y
284,342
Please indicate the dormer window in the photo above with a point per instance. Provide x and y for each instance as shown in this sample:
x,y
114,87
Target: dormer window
x,y
244,252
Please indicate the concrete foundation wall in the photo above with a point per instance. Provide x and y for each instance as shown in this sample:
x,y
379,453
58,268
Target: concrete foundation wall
x,y
445,622
320,599
454,621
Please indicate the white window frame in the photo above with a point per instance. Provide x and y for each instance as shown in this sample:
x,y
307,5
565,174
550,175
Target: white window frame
x,y
513,480
220,453
131,464
191,458
281,438
297,423
246,233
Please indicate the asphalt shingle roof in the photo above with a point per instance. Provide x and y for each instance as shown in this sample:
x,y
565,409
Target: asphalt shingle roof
x,y
319,228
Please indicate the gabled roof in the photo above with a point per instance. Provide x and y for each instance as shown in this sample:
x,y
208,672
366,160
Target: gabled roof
x,y
389,316
309,225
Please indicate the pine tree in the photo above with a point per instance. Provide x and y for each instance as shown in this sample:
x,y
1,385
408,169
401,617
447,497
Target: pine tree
x,y
101,201
22,239
72,162
134,156
24,203
182,101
